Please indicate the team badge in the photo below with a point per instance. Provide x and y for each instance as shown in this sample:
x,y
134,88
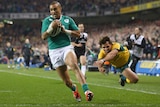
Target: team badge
x,y
66,20
51,20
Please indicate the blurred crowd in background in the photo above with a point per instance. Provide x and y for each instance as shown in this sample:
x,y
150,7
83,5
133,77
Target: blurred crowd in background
x,y
21,6
17,33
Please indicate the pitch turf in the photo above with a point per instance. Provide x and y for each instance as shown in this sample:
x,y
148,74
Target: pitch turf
x,y
38,88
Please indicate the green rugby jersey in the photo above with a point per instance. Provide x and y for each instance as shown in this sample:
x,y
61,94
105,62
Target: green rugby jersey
x,y
62,39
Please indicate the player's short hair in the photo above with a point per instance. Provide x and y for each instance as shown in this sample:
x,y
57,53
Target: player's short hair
x,y
104,40
55,2
140,29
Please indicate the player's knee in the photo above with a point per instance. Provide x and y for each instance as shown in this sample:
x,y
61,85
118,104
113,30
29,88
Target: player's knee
x,y
73,66
83,60
83,63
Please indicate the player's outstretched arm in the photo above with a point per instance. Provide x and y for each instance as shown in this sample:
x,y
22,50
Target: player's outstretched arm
x,y
100,64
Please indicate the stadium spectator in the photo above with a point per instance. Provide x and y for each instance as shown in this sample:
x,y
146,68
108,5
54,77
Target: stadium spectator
x,y
19,60
138,45
36,56
80,44
60,50
27,52
46,61
119,57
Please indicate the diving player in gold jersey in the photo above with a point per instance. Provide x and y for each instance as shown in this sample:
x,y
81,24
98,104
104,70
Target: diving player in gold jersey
x,y
119,57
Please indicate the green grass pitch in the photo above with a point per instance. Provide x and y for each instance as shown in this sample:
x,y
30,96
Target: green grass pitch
x,y
38,88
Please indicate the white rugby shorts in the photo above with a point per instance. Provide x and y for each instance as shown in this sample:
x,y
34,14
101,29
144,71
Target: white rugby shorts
x,y
57,56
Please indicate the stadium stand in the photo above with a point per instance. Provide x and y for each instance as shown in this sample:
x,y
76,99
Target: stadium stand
x,y
22,6
118,29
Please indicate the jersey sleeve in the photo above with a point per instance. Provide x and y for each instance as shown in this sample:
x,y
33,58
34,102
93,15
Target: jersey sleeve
x,y
72,25
45,24
101,54
116,46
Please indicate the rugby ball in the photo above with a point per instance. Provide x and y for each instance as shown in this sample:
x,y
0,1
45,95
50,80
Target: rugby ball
x,y
56,28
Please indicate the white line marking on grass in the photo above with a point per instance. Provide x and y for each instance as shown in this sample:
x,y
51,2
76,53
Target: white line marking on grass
x,y
142,91
79,105
25,74
6,91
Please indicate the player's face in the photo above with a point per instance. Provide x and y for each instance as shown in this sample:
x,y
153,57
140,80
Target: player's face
x,y
107,47
81,27
55,10
136,31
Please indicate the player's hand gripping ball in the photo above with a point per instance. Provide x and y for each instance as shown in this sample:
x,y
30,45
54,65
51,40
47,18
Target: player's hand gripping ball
x,y
56,25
